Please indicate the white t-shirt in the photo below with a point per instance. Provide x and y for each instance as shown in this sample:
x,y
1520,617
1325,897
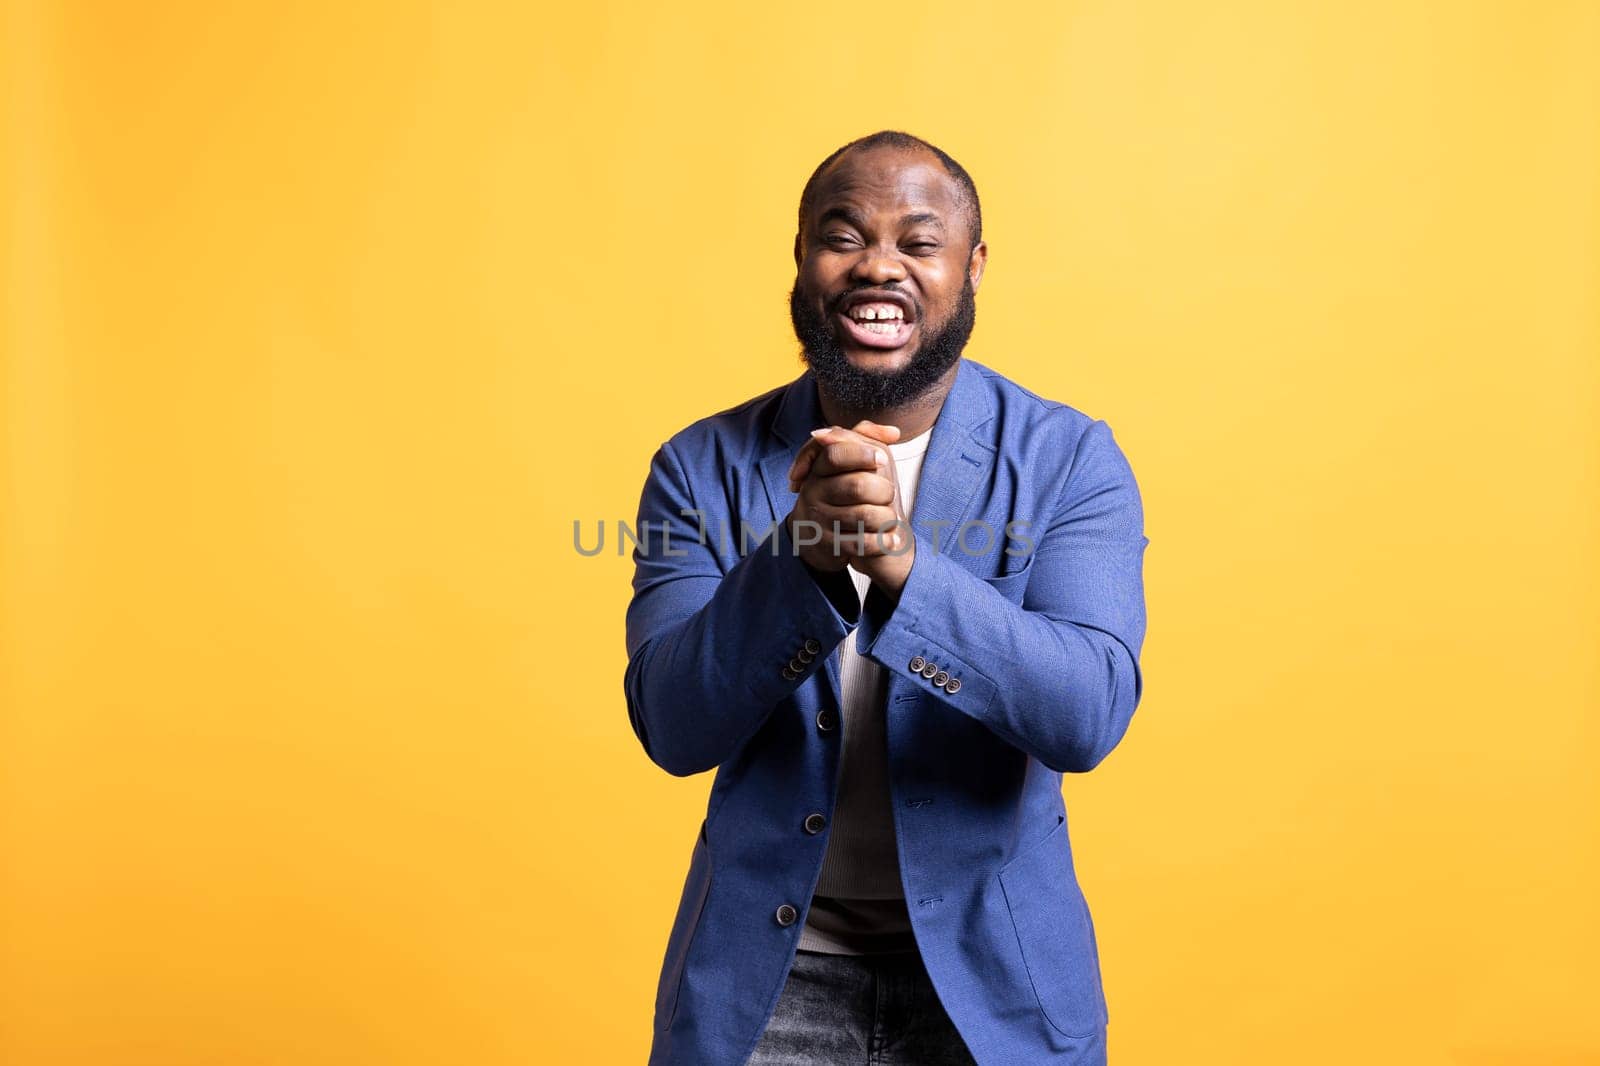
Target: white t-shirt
x,y
859,906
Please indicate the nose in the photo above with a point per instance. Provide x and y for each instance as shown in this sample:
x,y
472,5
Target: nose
x,y
877,265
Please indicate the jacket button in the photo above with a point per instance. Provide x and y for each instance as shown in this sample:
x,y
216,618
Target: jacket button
x,y
812,646
797,666
804,656
941,677
953,685
815,823
916,664
826,720
929,669
785,915
789,674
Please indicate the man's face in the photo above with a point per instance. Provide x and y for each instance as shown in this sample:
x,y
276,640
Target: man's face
x,y
883,301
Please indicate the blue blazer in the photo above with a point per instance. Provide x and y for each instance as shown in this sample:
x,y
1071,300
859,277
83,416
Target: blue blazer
x,y
1012,656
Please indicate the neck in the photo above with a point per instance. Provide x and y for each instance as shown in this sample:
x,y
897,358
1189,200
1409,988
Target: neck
x,y
913,418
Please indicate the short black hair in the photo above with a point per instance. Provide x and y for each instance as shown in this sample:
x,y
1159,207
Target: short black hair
x,y
968,192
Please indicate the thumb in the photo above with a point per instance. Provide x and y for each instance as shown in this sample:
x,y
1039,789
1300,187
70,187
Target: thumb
x,y
882,433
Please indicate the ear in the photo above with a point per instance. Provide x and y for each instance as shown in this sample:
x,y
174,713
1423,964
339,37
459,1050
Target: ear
x,y
976,262
797,247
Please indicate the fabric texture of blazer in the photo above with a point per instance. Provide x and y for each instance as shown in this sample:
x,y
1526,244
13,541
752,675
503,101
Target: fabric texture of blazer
x,y
1012,657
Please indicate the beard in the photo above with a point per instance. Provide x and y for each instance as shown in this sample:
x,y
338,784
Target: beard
x,y
859,390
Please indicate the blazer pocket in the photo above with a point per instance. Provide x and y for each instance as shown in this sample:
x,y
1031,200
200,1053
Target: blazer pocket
x,y
1056,934
690,906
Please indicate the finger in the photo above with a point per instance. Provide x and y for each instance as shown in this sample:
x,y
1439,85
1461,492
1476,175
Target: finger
x,y
852,520
864,430
845,456
800,467
856,487
893,538
883,542
870,544
804,460
877,430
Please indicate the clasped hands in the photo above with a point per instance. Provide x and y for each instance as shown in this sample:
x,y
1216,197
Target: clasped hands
x,y
848,510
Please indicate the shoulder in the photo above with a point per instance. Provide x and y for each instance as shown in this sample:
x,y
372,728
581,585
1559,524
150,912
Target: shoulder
x,y
1071,451
1033,424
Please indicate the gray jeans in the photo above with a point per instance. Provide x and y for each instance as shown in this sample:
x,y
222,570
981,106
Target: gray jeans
x,y
859,1010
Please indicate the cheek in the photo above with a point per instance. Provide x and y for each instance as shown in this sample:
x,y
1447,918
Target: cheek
x,y
941,287
822,267
942,304
814,286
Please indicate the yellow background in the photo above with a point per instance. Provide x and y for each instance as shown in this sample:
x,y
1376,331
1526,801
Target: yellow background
x,y
323,322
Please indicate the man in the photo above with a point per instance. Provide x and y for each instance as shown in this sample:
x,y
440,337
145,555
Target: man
x,y
884,871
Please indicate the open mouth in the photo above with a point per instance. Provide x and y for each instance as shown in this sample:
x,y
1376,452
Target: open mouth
x,y
874,322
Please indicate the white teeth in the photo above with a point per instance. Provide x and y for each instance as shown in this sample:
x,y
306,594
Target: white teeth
x,y
876,312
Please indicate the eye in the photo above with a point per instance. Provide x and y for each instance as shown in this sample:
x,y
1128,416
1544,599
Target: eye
x,y
837,239
923,247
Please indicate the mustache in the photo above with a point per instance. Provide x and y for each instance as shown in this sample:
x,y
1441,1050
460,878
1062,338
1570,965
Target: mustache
x,y
835,302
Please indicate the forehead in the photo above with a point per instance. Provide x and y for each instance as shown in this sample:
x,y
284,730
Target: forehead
x,y
887,179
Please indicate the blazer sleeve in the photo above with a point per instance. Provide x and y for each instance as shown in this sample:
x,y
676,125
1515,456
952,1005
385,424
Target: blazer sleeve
x,y
710,653
1057,676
